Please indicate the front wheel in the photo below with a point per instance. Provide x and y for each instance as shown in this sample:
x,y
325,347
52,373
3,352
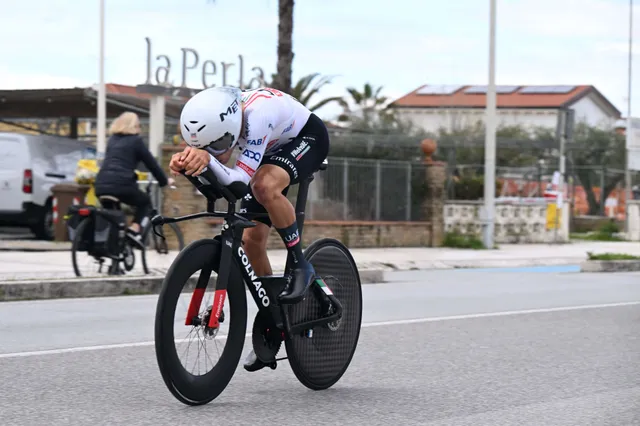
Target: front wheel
x,y
320,360
182,317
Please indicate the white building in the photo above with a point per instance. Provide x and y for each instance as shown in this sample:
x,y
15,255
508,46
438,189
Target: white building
x,y
453,107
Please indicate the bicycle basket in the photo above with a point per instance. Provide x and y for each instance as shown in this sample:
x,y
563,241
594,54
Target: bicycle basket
x,y
106,233
75,215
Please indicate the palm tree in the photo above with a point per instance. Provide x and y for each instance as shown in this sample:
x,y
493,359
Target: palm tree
x,y
366,102
303,92
282,80
369,99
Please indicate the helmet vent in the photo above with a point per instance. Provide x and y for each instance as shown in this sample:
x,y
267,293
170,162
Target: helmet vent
x,y
193,122
185,126
203,126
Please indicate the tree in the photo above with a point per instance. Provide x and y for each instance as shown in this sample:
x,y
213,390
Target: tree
x,y
596,150
282,80
285,46
367,101
303,91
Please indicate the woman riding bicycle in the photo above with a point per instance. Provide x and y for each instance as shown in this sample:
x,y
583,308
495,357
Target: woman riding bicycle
x,y
117,177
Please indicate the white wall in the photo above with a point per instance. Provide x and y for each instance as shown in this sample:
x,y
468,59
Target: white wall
x,y
587,109
432,119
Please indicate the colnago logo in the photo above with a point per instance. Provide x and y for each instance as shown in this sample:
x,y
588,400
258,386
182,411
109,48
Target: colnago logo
x,y
299,148
231,109
262,293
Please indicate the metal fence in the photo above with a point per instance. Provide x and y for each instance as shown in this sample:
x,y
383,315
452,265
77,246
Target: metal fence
x,y
587,186
371,190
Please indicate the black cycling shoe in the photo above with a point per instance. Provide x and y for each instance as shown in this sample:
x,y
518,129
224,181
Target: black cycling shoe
x,y
302,278
135,237
253,363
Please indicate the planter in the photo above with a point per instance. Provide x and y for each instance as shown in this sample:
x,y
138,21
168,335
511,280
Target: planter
x,y
610,266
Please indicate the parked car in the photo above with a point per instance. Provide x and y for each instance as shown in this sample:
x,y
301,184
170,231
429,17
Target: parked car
x,y
29,166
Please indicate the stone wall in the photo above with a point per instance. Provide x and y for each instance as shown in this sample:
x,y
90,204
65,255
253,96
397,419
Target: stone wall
x,y
186,200
592,223
514,222
354,234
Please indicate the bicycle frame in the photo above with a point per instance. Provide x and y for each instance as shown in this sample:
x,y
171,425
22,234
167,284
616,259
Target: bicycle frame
x,y
263,289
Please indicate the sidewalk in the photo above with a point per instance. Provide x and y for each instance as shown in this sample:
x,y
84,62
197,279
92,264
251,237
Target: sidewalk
x,y
43,265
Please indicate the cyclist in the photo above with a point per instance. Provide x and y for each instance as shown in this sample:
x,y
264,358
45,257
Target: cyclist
x,y
117,177
281,142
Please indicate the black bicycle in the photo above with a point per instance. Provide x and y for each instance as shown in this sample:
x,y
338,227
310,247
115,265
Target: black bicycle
x,y
320,332
101,234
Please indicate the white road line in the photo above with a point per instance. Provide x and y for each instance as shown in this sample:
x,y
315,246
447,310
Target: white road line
x,y
366,325
497,314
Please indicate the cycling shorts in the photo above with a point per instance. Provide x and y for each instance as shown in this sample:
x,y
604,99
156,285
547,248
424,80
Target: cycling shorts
x,y
300,158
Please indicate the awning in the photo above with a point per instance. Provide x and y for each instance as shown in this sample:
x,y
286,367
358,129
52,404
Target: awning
x,y
76,102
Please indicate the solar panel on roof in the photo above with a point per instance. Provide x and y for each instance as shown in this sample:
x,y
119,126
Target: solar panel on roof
x,y
483,89
547,89
439,89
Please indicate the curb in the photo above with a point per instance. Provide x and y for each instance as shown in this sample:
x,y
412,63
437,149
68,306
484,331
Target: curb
x,y
107,287
610,266
47,247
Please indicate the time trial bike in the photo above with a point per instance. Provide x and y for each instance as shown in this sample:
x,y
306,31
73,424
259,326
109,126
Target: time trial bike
x,y
320,332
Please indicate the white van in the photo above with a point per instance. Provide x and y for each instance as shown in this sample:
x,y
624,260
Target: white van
x,y
29,166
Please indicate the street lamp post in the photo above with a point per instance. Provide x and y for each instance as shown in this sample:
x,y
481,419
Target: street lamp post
x,y
490,135
102,96
628,132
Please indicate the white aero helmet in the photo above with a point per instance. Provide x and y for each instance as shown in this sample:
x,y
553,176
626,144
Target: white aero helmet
x,y
212,119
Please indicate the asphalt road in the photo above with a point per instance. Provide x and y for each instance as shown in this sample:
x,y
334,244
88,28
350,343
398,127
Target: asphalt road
x,y
437,348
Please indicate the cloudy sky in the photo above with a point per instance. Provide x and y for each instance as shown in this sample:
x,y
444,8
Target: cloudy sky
x,y
399,45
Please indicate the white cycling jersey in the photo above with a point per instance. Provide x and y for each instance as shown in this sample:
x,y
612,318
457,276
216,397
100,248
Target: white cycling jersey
x,y
272,119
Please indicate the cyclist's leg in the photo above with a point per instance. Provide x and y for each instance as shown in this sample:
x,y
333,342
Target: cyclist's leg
x,y
293,163
255,239
299,160
141,203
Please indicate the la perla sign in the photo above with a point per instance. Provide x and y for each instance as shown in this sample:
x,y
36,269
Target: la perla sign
x,y
207,71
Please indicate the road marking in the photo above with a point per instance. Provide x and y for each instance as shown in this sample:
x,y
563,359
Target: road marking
x,y
366,325
497,314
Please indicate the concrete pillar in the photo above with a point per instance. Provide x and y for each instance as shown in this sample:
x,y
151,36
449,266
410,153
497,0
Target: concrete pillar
x,y
156,124
633,233
565,217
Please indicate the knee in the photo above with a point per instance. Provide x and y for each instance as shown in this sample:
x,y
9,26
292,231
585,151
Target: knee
x,y
265,189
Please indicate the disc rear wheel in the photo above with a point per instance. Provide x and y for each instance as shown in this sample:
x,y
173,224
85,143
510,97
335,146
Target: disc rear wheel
x,y
320,360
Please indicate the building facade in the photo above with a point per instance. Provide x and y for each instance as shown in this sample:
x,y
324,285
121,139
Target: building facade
x,y
435,107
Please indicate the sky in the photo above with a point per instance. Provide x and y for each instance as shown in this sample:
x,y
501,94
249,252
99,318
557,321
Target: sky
x,y
398,45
